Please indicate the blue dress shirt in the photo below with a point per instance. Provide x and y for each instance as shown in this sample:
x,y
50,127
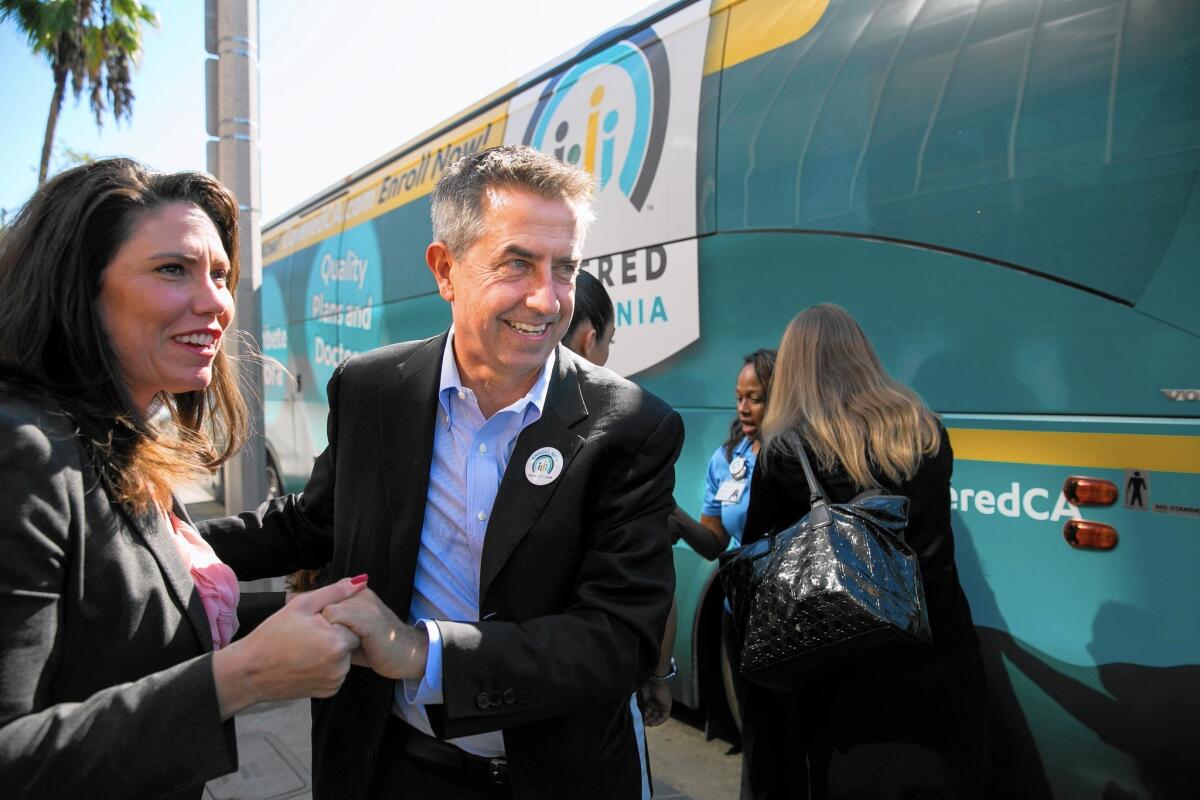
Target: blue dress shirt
x,y
470,454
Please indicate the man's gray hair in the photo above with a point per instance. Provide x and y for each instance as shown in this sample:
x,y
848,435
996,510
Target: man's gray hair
x,y
457,203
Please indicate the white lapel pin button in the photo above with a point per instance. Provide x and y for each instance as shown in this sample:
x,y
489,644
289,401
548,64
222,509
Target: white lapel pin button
x,y
544,466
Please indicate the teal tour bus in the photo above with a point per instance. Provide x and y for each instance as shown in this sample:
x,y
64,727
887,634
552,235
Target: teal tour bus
x,y
1004,193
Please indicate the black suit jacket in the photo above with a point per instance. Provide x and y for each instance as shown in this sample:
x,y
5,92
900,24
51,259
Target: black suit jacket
x,y
106,683
576,576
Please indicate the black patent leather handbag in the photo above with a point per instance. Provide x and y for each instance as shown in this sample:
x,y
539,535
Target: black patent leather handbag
x,y
832,593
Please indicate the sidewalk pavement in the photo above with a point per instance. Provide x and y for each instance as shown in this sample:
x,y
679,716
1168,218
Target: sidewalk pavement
x,y
274,754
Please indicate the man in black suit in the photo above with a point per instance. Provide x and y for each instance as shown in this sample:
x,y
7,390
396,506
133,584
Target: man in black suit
x,y
509,503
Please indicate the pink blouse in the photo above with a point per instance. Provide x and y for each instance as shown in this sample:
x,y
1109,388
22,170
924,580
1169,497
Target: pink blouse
x,y
216,582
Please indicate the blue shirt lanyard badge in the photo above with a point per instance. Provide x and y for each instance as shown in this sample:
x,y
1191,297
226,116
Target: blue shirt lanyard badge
x,y
731,490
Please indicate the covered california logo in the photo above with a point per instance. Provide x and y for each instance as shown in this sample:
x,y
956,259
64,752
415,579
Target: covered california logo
x,y
616,132
624,107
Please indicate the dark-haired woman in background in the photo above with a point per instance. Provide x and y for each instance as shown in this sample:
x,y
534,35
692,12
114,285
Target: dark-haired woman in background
x,y
902,728
726,490
590,335
118,673
593,325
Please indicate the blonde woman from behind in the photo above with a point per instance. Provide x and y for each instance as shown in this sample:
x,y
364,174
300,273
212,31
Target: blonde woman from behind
x,y
911,729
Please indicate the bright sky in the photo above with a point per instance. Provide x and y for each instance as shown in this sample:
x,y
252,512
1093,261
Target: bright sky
x,y
342,84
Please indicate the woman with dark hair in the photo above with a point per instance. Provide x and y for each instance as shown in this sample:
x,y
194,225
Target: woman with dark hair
x,y
727,490
726,495
593,325
910,727
120,676
590,335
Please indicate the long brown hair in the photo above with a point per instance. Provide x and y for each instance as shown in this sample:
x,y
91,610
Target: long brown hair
x,y
53,342
831,392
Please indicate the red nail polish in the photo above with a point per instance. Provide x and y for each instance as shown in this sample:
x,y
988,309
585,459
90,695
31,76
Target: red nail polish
x,y
358,579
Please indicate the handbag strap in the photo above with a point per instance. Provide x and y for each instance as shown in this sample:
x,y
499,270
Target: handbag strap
x,y
817,499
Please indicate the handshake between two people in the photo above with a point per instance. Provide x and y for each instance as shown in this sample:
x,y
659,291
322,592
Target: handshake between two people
x,y
306,648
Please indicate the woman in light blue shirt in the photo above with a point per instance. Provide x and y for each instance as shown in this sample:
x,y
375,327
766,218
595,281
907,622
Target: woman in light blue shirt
x,y
727,485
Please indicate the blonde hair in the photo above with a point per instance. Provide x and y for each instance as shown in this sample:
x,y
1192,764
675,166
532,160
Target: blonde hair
x,y
831,392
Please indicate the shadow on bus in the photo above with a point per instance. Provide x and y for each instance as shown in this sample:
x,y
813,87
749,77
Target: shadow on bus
x,y
1016,768
1150,713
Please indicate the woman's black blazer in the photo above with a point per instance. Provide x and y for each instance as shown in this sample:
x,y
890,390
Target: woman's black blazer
x,y
106,681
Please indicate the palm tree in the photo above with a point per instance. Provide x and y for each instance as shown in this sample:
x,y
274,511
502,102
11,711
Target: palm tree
x,y
92,44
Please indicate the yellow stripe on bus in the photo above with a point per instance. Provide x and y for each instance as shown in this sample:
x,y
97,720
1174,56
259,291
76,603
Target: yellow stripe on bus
x,y
755,27
399,183
314,227
415,177
1100,450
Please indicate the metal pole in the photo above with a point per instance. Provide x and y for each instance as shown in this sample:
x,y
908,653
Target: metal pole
x,y
232,35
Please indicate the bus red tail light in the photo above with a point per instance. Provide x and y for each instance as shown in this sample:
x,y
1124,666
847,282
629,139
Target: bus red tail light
x,y
1082,491
1085,535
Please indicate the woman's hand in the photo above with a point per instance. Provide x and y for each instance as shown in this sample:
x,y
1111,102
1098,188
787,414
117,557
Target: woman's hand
x,y
707,537
390,647
294,653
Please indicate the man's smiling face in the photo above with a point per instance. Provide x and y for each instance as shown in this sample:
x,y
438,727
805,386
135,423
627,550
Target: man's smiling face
x,y
513,290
